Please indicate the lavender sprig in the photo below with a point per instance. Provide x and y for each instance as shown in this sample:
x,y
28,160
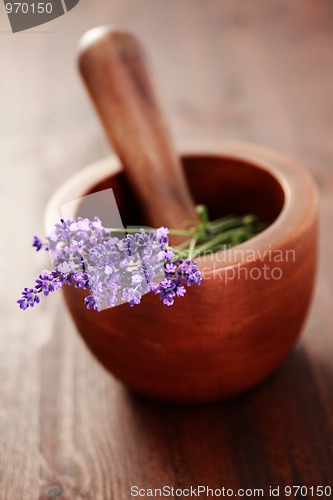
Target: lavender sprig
x,y
122,270
46,283
114,270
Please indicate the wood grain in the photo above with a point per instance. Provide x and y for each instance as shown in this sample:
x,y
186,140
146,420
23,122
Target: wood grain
x,y
259,71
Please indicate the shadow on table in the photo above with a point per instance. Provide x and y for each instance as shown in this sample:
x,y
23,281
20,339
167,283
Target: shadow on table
x,y
278,433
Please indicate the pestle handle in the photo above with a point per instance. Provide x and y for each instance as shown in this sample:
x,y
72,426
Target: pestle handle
x,y
113,67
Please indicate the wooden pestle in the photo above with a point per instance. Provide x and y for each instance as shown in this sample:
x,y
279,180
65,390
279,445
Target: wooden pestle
x,y
113,67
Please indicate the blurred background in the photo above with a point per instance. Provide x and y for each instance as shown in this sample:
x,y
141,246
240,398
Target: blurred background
x,y
254,71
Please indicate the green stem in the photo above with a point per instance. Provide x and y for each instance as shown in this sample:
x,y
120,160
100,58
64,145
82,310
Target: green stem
x,y
183,245
205,235
218,239
175,232
192,247
215,227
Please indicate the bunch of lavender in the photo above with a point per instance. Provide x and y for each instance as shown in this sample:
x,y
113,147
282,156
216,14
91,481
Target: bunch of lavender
x,y
115,270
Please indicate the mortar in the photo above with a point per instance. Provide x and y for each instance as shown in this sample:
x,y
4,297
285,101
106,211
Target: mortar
x,y
235,329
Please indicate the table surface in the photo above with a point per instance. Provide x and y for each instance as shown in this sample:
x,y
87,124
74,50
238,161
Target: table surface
x,y
257,71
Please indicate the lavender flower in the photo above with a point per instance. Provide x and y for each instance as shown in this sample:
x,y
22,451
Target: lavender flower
x,y
114,270
29,298
37,243
90,302
177,274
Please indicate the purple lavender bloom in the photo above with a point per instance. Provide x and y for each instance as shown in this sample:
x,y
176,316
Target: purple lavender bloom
x,y
131,296
162,235
170,267
184,265
29,298
37,243
114,270
137,278
181,290
48,282
167,255
90,302
176,274
194,276
168,298
82,280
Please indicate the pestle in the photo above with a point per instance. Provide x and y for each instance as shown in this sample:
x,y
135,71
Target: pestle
x,y
113,67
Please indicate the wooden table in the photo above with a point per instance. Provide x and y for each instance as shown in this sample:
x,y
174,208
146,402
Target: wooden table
x,y
258,71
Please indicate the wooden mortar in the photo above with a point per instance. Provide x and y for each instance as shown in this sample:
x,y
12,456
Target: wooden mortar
x,y
235,329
